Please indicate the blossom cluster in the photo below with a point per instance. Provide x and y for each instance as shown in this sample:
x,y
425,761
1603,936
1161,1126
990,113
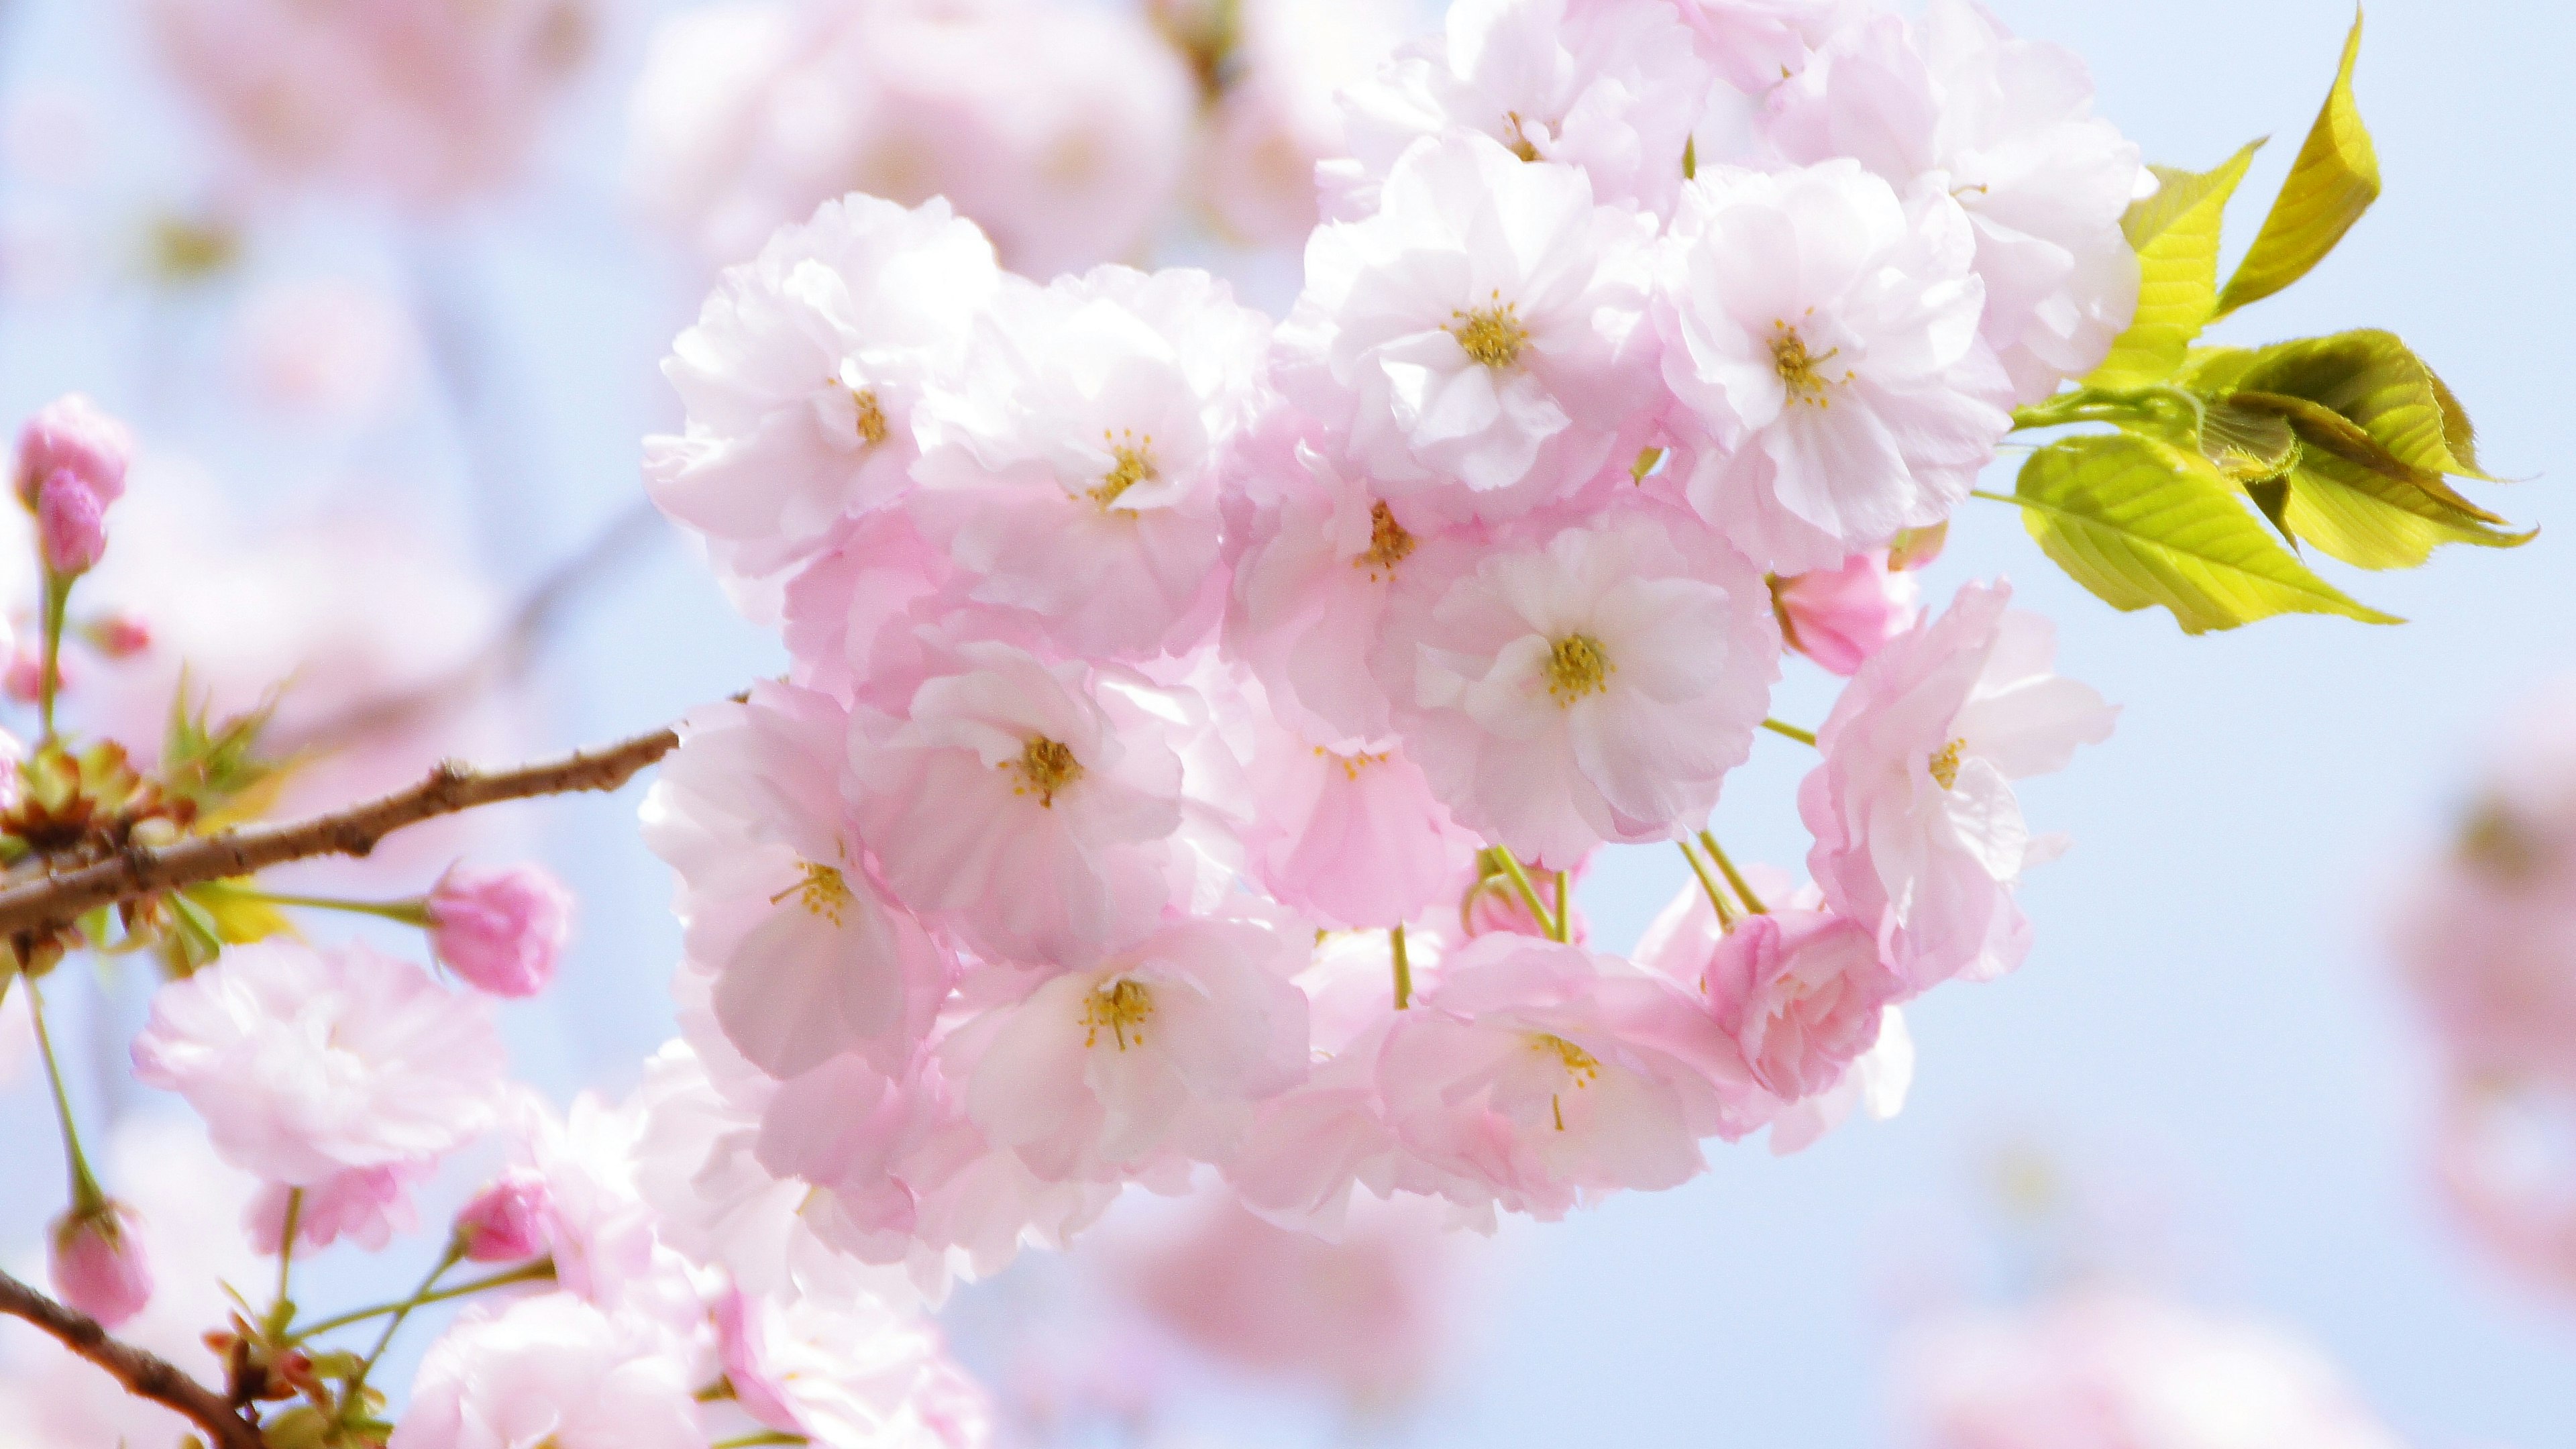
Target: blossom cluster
x,y
1195,722
2485,934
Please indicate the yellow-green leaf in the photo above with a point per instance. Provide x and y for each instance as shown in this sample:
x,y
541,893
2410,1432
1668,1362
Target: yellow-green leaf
x,y
2175,232
2333,182
237,914
2379,383
2373,521
2139,522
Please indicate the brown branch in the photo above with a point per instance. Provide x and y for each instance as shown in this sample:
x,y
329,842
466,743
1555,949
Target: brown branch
x,y
144,1375
37,902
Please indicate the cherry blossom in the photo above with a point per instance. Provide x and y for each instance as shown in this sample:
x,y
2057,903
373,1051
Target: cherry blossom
x,y
1956,105
1482,329
1592,686
306,1063
1821,332
500,929
1839,617
1917,830
552,1369
850,1374
97,1263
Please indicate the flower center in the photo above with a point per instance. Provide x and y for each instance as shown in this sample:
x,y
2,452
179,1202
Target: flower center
x,y
1121,1006
1517,138
822,892
872,422
1353,764
1945,764
1797,367
1491,335
1582,1068
1132,463
1576,666
1389,544
1044,767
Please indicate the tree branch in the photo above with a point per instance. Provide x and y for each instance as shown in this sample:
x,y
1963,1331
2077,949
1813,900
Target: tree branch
x,y
144,1375
36,902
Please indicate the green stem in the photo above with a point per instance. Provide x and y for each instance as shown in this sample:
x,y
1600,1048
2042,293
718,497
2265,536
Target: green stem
x,y
454,1255
1804,737
86,1197
1734,878
1564,928
413,912
57,603
1708,883
286,1246
1528,893
765,1436
1994,497
1403,969
542,1269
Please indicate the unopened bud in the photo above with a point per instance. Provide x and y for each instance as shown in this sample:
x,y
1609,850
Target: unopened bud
x,y
71,435
97,1262
500,929
71,525
505,1223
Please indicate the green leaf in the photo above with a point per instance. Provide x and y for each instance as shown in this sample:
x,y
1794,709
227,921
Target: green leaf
x,y
2378,382
236,914
2333,182
2372,521
2139,522
2175,232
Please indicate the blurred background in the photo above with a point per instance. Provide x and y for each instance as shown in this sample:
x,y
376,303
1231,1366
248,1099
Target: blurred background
x,y
393,386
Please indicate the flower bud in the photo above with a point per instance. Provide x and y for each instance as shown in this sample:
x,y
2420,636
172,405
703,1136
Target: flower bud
x,y
500,929
1840,617
1799,993
71,524
505,1223
97,1262
120,635
70,435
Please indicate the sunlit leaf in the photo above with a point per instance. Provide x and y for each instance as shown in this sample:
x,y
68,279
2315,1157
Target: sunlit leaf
x,y
2378,382
2175,232
2140,523
2333,182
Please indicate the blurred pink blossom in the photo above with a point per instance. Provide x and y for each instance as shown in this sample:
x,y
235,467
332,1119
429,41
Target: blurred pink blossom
x,y
500,929
97,1263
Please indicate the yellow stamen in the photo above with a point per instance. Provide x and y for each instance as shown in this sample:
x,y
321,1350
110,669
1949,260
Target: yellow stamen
x,y
1945,764
1122,1006
1491,335
1353,764
872,422
822,891
1044,767
1576,667
1797,368
1389,544
1133,464
1519,140
1582,1068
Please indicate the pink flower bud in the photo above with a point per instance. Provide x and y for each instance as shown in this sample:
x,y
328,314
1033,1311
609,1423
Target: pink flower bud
x,y
1840,617
97,1263
121,635
500,929
26,673
1800,993
506,1221
71,524
71,435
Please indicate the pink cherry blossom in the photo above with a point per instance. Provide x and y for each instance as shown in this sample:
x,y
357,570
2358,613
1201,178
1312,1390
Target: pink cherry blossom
x,y
805,368
1372,1315
506,1221
72,436
1957,105
1030,806
1483,329
1591,686
1798,992
1917,829
1821,333
848,1373
2114,1368
1162,1049
71,525
551,1369
1062,129
863,581
97,1264
1352,837
500,929
1839,617
427,101
306,1063
367,1205
1756,43
1072,472
807,954
1548,1075
1612,87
